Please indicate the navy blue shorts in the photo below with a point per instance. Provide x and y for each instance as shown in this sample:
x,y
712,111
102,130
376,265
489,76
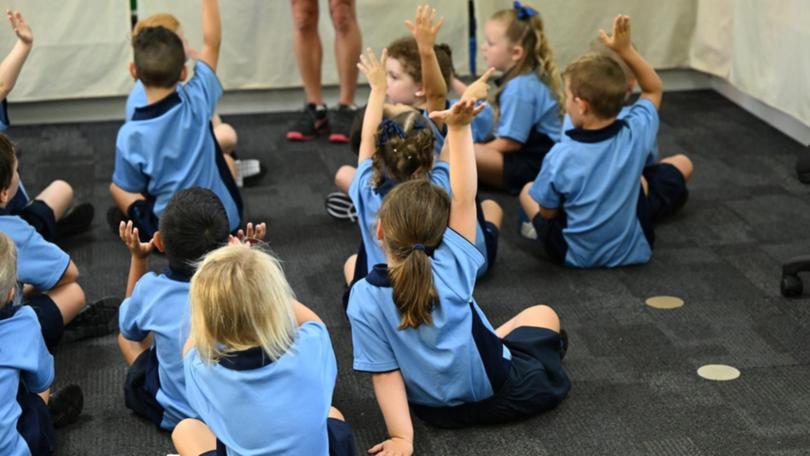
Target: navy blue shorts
x,y
360,272
491,233
142,214
667,190
40,216
536,383
141,387
523,166
550,235
34,424
50,319
341,440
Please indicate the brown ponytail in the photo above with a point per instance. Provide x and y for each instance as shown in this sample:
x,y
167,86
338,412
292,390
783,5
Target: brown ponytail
x,y
413,217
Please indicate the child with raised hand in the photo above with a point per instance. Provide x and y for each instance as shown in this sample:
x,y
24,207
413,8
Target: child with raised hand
x,y
527,103
11,66
259,366
168,145
417,329
587,205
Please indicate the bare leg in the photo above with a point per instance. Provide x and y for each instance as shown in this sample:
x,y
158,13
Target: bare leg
x,y
682,162
540,316
529,205
192,438
348,268
58,196
335,413
344,177
45,395
69,298
489,162
231,164
307,47
226,137
492,212
122,198
131,349
348,43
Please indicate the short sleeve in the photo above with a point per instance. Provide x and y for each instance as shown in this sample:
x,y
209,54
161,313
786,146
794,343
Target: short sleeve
x,y
516,113
440,175
204,87
318,335
361,180
482,124
372,352
135,99
456,263
127,172
130,315
544,190
40,373
642,119
39,262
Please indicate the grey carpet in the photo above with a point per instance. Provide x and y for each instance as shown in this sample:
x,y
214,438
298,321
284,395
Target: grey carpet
x,y
635,389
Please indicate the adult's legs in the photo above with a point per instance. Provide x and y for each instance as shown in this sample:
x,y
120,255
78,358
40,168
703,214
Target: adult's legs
x,y
348,43
307,47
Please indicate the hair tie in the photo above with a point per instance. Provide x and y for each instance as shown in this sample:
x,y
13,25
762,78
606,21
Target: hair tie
x,y
420,247
388,129
524,12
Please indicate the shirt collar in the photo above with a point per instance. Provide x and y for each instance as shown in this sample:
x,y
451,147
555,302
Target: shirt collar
x,y
595,136
252,358
179,276
157,108
378,276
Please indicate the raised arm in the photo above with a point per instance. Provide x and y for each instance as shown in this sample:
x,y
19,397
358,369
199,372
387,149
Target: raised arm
x,y
424,32
12,65
463,174
375,73
648,80
212,33
389,388
138,264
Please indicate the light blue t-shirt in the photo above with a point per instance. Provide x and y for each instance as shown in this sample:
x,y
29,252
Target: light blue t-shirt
x,y
258,406
595,178
39,262
23,357
159,304
367,202
135,99
569,125
169,146
455,359
527,104
482,124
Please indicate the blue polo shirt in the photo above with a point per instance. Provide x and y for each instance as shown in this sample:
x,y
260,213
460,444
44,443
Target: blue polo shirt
x,y
527,105
39,262
568,125
595,179
258,406
455,359
135,99
169,146
28,362
367,201
159,304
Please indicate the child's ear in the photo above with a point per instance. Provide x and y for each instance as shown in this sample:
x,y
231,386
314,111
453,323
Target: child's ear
x,y
133,71
159,242
184,73
5,197
420,92
517,52
380,233
582,106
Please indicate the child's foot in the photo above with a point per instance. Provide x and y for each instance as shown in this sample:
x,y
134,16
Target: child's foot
x,y
563,343
114,219
95,320
340,123
311,122
249,171
66,405
77,221
340,206
526,226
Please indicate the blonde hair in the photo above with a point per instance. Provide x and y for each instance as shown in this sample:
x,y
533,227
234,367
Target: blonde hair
x,y
165,20
240,299
8,265
537,55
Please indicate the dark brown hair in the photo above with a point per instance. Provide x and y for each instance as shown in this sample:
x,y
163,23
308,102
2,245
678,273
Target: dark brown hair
x,y
402,158
413,217
7,159
407,52
600,81
159,57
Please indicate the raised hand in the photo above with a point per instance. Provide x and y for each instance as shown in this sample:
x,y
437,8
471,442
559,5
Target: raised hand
x,y
129,235
619,41
21,28
479,89
460,114
253,234
374,69
423,29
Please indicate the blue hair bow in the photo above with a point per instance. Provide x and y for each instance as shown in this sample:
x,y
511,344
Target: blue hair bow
x,y
524,12
389,128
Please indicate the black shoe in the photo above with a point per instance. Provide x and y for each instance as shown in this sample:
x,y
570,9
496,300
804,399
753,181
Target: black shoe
x,y
340,124
311,122
114,219
341,207
563,343
66,405
95,320
77,221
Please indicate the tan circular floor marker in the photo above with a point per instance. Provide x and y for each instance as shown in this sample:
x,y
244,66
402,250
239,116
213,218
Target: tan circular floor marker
x,y
664,302
718,372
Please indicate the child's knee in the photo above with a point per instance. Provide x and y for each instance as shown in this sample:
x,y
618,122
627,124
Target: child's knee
x,y
348,268
226,137
62,188
529,205
344,177
543,316
336,414
682,163
493,212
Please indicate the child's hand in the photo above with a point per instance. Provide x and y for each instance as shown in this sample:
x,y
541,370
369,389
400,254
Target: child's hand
x,y
620,40
129,234
422,27
21,28
392,447
479,89
460,114
374,69
252,234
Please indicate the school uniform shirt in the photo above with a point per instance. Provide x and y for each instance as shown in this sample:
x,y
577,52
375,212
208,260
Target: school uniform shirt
x,y
595,179
169,146
39,262
526,105
367,202
255,405
135,99
28,363
569,125
159,304
481,124
455,359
